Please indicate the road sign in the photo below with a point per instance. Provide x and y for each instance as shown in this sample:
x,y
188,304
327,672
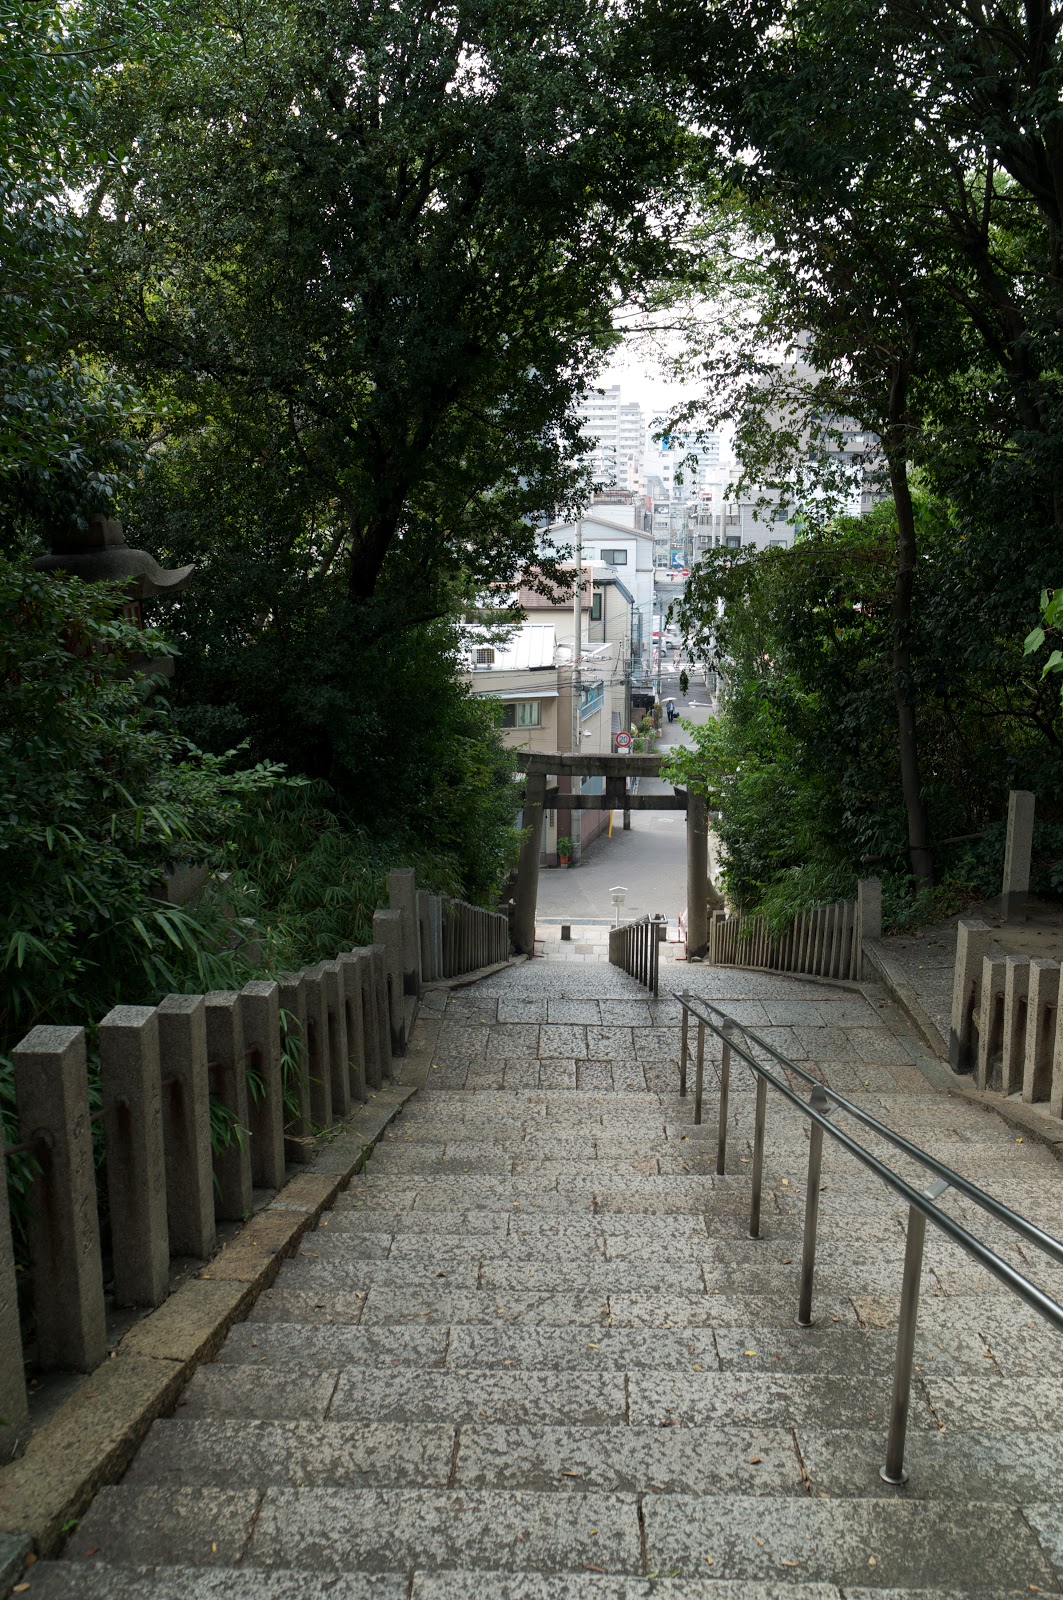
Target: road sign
x,y
623,741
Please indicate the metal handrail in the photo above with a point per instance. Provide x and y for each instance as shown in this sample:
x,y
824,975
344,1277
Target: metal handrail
x,y
921,1205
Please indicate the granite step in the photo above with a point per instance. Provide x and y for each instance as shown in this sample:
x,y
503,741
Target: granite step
x,y
874,1542
659,1396
79,1580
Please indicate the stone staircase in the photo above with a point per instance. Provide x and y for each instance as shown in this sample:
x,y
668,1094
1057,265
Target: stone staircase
x,y
535,1354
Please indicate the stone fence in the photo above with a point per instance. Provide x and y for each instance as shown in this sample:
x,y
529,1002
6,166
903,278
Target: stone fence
x,y
1006,1026
826,942
267,1068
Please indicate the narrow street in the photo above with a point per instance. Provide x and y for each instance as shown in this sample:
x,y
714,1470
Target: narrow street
x,y
649,859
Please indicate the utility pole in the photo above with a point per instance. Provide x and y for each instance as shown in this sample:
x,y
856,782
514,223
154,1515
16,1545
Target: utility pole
x,y
577,637
577,651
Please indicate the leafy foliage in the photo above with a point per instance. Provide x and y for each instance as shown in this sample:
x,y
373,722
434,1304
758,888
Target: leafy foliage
x,y
100,793
802,763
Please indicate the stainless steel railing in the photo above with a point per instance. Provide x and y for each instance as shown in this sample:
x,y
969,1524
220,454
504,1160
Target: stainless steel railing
x,y
922,1205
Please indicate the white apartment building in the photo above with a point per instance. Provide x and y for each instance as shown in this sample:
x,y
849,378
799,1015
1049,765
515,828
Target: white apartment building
x,y
609,540
617,429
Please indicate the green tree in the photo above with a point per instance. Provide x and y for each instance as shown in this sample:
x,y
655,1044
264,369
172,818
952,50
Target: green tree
x,y
388,241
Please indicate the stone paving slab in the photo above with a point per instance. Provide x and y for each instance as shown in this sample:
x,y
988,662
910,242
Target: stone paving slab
x,y
719,1459
251,1454
489,1396
768,1399
324,1347
587,1586
920,1543
953,1464
96,1580
540,1307
172,1524
335,1529
232,1391
581,1348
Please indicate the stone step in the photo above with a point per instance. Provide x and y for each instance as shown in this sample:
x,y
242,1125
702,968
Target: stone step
x,y
237,1454
72,1580
654,1396
821,1348
887,1543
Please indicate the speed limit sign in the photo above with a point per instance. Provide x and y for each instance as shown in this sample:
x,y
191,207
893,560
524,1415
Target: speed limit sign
x,y
623,741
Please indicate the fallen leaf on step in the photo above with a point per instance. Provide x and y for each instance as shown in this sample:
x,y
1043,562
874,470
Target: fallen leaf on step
x,y
754,1461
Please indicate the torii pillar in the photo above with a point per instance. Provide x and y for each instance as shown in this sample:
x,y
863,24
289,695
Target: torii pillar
x,y
697,874
528,865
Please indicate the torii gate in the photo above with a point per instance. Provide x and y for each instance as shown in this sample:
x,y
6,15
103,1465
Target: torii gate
x,y
616,770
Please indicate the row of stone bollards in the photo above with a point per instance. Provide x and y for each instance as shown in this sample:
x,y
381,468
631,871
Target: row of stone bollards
x,y
1006,1025
202,1099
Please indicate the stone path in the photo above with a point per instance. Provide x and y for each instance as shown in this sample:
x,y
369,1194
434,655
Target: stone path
x,y
535,1353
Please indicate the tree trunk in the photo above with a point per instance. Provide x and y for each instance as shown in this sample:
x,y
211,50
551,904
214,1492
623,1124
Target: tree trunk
x,y
919,855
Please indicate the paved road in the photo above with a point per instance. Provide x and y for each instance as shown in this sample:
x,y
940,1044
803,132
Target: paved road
x,y
649,859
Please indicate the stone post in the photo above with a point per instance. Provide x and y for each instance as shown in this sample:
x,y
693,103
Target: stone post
x,y
14,1414
349,963
136,1167
1018,851
228,1080
62,1226
338,1047
1016,1018
371,1025
317,1053
402,896
990,1020
973,939
260,1014
387,933
527,892
298,1141
182,1021
697,875
1056,1095
1041,1030
436,927
381,1007
424,931
868,916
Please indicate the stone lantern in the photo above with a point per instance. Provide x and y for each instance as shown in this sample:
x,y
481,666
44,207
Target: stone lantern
x,y
100,554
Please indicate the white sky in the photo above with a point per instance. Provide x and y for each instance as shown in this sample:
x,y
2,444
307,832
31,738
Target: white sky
x,y
640,378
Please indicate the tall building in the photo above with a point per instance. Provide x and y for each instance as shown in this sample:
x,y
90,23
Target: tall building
x,y
617,431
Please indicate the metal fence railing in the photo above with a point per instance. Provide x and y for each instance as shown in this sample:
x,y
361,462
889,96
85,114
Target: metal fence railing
x,y
635,947
923,1206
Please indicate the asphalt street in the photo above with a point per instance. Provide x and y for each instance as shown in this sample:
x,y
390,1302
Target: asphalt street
x,y
649,860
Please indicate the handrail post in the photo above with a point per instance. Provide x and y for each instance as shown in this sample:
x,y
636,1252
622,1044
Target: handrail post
x,y
725,1087
894,1471
699,1072
758,1156
820,1103
684,1033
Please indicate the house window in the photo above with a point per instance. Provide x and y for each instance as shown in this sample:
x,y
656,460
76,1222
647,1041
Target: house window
x,y
522,714
485,656
615,558
734,541
596,606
